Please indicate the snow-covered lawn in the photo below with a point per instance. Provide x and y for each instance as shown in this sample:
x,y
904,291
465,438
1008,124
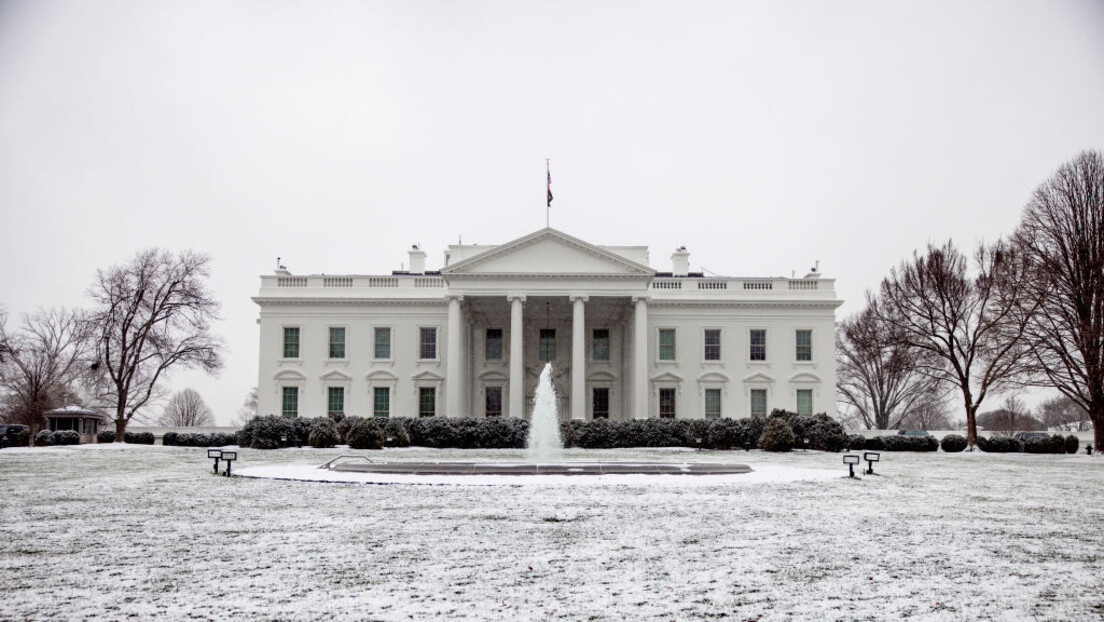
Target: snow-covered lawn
x,y
130,532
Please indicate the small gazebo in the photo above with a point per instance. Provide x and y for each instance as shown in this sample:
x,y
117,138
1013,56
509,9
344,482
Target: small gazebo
x,y
85,422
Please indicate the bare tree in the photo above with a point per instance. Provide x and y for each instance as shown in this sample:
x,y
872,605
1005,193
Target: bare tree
x,y
1062,413
248,409
152,315
1062,234
186,409
929,415
38,363
878,373
969,324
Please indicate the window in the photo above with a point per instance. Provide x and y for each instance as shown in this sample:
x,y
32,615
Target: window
x,y
336,401
427,401
667,403
600,403
381,402
758,402
291,402
383,343
291,342
713,344
712,403
759,344
427,343
492,347
600,344
337,342
492,402
804,345
547,349
666,344
804,401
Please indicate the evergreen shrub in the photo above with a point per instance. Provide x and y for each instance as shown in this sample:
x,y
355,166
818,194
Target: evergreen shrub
x,y
324,434
23,439
139,438
1057,444
105,436
395,435
900,442
726,434
595,434
44,438
170,439
67,437
431,432
777,436
1072,444
266,432
364,434
856,442
999,444
953,443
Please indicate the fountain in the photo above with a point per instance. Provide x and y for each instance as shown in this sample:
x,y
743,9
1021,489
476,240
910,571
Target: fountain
x,y
544,443
544,454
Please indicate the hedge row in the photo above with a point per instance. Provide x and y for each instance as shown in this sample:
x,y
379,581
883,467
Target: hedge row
x,y
135,438
46,438
198,439
1055,444
814,432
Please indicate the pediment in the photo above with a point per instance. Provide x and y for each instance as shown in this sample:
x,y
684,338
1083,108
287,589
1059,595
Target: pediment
x,y
381,375
713,376
547,251
492,375
805,376
427,375
759,377
335,376
601,376
289,375
667,376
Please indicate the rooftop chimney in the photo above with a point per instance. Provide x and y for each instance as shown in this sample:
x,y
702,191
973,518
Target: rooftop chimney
x,y
680,262
417,260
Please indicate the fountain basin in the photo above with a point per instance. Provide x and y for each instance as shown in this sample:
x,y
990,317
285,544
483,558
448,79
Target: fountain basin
x,y
361,464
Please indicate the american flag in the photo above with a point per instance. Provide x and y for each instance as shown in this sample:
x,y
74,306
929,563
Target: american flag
x,y
549,184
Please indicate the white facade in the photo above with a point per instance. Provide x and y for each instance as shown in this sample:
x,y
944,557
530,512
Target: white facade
x,y
625,341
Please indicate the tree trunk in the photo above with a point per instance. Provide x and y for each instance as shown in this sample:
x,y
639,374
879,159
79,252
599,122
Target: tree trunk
x,y
120,429
971,426
1097,417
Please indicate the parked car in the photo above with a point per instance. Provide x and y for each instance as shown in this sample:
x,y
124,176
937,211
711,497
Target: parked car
x,y
11,432
912,433
1023,436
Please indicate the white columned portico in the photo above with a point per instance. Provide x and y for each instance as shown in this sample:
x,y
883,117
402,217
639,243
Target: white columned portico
x,y
578,357
454,382
517,360
640,358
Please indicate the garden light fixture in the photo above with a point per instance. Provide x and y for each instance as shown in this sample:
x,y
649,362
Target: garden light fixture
x,y
851,460
871,457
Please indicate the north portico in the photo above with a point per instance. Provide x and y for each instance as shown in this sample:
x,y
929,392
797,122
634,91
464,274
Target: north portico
x,y
625,340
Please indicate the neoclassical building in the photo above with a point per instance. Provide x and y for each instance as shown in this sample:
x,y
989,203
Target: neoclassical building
x,y
625,340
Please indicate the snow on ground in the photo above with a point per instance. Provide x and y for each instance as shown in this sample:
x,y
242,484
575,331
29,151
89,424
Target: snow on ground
x,y
138,532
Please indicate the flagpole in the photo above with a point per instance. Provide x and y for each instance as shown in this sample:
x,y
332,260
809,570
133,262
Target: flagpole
x,y
548,205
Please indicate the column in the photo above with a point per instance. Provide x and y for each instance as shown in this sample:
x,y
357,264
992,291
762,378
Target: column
x,y
517,358
454,373
578,358
640,358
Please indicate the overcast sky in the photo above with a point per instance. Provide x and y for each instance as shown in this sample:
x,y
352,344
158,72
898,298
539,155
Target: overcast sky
x,y
764,136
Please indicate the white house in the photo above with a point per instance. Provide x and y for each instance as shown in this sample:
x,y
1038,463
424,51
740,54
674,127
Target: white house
x,y
624,340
